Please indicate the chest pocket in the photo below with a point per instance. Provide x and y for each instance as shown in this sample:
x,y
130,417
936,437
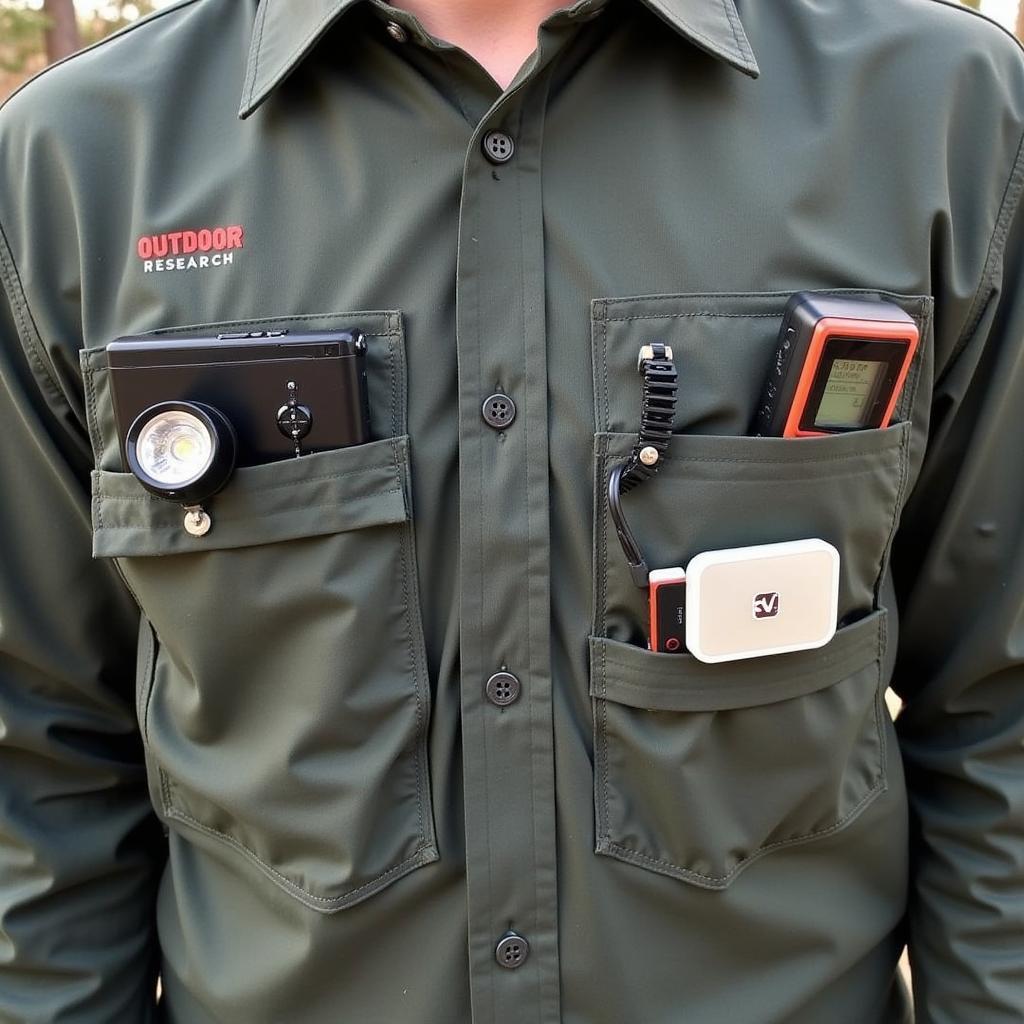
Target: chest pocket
x,y
701,769
282,692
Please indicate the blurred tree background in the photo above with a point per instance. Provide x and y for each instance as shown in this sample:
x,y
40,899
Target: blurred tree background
x,y
34,33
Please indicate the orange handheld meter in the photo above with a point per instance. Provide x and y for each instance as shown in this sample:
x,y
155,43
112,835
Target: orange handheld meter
x,y
840,365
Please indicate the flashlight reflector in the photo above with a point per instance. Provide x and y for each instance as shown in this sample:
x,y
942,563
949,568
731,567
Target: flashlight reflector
x,y
174,447
183,451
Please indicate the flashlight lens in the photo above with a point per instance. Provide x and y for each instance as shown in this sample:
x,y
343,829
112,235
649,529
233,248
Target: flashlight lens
x,y
175,447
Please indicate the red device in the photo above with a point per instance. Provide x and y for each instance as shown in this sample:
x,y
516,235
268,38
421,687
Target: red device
x,y
840,365
667,605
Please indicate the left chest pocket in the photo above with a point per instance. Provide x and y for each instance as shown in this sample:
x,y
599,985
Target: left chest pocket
x,y
284,702
702,769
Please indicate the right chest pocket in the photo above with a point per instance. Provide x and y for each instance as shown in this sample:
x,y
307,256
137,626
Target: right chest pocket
x,y
702,769
283,695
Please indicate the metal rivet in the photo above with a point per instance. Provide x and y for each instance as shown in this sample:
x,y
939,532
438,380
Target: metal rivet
x,y
649,455
197,522
397,32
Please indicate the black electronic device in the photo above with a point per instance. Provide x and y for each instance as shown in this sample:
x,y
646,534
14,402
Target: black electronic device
x,y
283,393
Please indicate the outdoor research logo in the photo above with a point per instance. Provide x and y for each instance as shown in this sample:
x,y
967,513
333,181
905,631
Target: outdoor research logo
x,y
198,249
766,606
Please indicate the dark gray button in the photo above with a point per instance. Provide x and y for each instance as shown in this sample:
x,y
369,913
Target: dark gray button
x,y
498,147
503,689
512,951
397,32
294,421
498,411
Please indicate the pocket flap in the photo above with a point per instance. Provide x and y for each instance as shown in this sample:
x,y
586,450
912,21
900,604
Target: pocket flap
x,y
323,492
651,680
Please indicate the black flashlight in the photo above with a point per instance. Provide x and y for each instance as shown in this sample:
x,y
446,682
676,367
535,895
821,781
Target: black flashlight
x,y
182,451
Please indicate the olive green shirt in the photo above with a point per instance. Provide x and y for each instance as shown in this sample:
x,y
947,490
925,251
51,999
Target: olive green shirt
x,y
265,764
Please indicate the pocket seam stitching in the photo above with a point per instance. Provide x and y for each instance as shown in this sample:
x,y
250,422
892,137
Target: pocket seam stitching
x,y
893,445
142,701
924,321
269,487
604,826
253,518
92,416
696,691
176,813
394,384
604,367
154,532
903,462
602,562
300,318
721,881
867,471
602,305
414,649
608,846
699,313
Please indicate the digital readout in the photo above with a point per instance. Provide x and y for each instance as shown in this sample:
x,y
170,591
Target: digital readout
x,y
849,391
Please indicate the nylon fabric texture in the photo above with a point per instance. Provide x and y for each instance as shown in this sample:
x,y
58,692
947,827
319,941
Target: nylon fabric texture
x,y
263,763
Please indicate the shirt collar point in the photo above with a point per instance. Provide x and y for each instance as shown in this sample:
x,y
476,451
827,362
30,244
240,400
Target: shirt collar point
x,y
748,65
248,106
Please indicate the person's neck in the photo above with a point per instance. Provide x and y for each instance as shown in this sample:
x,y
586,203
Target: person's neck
x,y
498,34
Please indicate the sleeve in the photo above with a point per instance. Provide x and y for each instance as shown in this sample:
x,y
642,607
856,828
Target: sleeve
x,y
958,568
80,847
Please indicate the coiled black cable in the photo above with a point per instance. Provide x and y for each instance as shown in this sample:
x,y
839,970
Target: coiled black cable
x,y
657,417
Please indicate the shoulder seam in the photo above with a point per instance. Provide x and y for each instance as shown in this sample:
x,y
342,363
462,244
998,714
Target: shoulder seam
x,y
120,33
956,5
1007,208
31,342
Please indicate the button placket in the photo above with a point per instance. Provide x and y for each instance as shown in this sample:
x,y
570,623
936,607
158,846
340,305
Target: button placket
x,y
504,562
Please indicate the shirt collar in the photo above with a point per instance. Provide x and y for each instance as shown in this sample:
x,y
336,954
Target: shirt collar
x,y
286,30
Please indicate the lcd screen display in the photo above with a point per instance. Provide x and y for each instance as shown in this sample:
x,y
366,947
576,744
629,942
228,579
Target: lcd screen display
x,y
849,392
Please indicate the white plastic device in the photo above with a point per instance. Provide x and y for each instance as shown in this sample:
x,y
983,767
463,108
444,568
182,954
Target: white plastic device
x,y
766,599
